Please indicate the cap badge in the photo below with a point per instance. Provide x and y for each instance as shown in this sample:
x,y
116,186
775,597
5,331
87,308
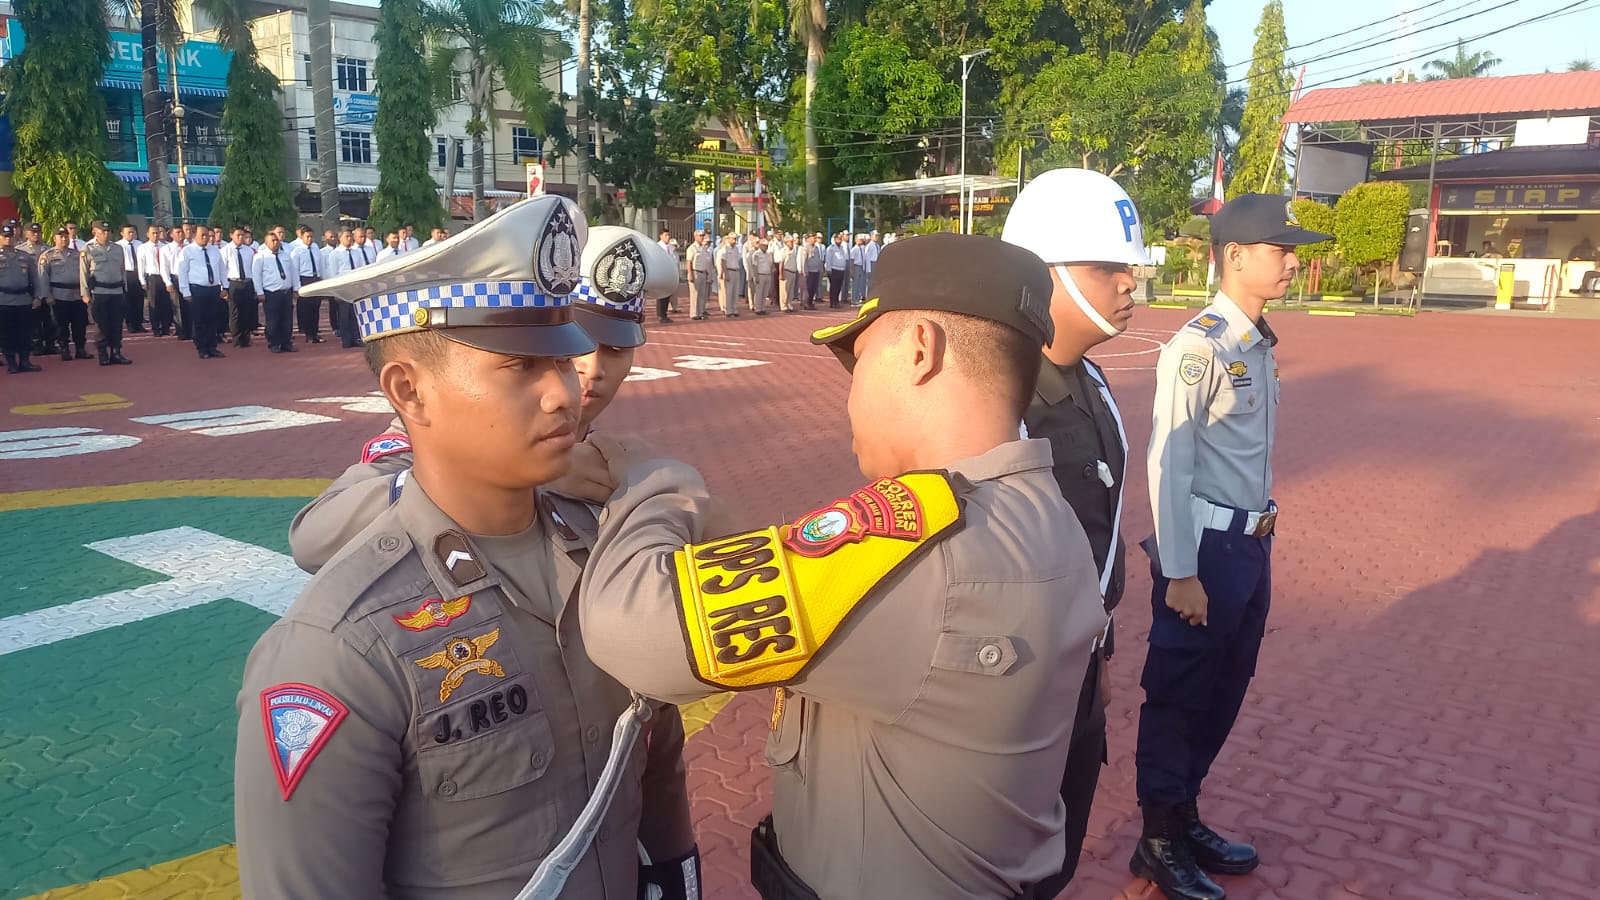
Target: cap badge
x,y
420,316
619,272
559,255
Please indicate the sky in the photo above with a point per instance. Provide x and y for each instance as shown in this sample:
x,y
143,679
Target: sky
x,y
1384,32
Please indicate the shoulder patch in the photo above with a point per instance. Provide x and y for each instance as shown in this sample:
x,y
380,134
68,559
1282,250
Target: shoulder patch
x,y
385,445
298,720
757,607
1192,367
1208,324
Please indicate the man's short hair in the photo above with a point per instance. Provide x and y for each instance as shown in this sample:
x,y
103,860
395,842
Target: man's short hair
x,y
302,229
1000,358
428,348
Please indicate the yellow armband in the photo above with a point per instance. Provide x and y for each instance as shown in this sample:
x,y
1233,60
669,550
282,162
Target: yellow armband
x,y
756,607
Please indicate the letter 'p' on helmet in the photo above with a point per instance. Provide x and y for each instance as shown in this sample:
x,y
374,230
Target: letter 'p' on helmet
x,y
1077,216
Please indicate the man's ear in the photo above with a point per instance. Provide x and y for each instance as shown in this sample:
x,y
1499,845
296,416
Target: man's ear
x,y
925,344
406,385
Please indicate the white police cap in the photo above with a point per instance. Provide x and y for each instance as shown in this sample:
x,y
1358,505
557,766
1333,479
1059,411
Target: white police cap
x,y
504,285
1077,216
621,267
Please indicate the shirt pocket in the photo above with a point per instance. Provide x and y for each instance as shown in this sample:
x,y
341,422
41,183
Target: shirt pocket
x,y
1239,401
488,745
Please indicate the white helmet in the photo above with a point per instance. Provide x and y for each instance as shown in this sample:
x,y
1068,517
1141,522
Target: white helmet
x,y
1068,216
1077,216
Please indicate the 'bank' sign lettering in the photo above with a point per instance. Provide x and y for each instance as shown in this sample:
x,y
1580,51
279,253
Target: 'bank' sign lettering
x,y
199,62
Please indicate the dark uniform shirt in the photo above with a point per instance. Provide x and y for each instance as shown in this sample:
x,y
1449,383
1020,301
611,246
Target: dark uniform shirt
x,y
1070,410
16,277
103,269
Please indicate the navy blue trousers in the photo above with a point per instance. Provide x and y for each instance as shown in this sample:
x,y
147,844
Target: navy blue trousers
x,y
1195,676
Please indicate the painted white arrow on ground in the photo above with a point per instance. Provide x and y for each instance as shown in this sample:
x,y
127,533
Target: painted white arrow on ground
x,y
201,567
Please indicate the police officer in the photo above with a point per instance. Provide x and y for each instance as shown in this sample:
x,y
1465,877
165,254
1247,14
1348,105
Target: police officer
x,y
19,297
44,326
927,672
424,722
1210,467
701,263
730,275
760,267
102,279
59,274
1085,227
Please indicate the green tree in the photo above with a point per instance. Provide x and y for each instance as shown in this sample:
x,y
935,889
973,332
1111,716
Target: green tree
x,y
59,159
1316,217
406,193
498,44
1147,118
1370,223
873,104
734,61
1261,165
1462,65
253,190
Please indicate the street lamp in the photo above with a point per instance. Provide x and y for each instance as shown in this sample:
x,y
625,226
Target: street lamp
x,y
961,206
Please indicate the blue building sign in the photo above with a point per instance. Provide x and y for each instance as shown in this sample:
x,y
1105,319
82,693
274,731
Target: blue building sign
x,y
355,109
202,65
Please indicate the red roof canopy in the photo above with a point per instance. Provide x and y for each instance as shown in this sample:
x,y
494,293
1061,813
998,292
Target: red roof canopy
x,y
1530,95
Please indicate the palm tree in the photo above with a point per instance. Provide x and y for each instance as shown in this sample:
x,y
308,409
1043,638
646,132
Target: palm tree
x,y
1464,65
499,44
583,81
158,27
1580,65
319,25
808,20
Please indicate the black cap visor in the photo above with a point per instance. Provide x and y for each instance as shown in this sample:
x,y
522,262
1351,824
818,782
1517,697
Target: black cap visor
x,y
563,341
1291,237
841,338
610,327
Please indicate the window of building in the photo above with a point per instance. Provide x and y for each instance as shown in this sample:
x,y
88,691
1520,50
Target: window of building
x,y
439,157
305,59
350,74
355,146
311,144
526,147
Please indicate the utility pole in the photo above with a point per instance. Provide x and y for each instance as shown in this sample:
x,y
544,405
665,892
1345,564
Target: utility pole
x,y
582,83
964,223
320,26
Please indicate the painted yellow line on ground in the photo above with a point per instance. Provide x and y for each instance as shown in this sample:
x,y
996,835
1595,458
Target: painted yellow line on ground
x,y
84,403
1342,313
165,490
1167,305
214,874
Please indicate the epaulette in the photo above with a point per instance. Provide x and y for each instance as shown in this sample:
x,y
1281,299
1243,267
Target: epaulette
x,y
1209,324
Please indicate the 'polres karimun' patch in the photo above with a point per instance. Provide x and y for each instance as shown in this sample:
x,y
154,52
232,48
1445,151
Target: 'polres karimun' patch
x,y
298,720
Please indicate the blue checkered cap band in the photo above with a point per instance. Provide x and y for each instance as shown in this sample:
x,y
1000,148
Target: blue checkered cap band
x,y
387,314
587,293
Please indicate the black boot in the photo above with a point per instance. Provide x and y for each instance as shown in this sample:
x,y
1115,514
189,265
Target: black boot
x,y
1163,857
11,364
105,354
24,364
82,353
117,359
1212,851
66,353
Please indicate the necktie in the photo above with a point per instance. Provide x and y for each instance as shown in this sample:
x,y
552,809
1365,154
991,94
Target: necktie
x,y
281,273
211,274
312,252
127,255
351,256
365,254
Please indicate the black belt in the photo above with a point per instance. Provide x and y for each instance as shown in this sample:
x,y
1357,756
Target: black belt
x,y
108,285
308,279
238,280
72,286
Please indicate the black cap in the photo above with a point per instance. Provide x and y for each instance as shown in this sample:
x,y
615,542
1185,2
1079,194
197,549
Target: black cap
x,y
35,226
101,223
1261,219
8,230
62,231
975,276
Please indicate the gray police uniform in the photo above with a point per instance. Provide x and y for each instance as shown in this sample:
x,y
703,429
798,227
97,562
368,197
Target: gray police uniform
x,y
104,278
730,263
449,723
17,293
702,272
1210,468
909,758
59,273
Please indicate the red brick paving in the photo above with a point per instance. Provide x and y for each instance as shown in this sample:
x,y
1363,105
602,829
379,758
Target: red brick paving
x,y
1422,724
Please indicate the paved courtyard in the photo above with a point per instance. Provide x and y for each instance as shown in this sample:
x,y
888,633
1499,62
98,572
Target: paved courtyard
x,y
1423,724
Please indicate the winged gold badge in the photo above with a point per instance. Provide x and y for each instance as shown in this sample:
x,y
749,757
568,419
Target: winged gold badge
x,y
435,613
461,656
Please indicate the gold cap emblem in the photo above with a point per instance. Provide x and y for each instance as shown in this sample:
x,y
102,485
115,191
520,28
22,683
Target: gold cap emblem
x,y
420,317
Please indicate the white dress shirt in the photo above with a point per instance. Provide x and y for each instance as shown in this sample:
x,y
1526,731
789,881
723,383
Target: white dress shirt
x,y
191,268
429,242
148,262
130,255
310,261
76,244
275,272
387,252
409,244
239,259
344,259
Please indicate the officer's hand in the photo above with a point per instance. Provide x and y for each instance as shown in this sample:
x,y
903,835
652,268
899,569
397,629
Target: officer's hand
x,y
590,476
1187,598
1105,683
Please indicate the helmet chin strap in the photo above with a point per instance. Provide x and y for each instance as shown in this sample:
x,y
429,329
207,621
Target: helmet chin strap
x,y
1088,309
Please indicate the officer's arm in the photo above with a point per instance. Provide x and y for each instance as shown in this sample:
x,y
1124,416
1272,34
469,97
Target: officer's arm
x,y
1185,376
83,275
355,499
182,268
627,600
317,766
